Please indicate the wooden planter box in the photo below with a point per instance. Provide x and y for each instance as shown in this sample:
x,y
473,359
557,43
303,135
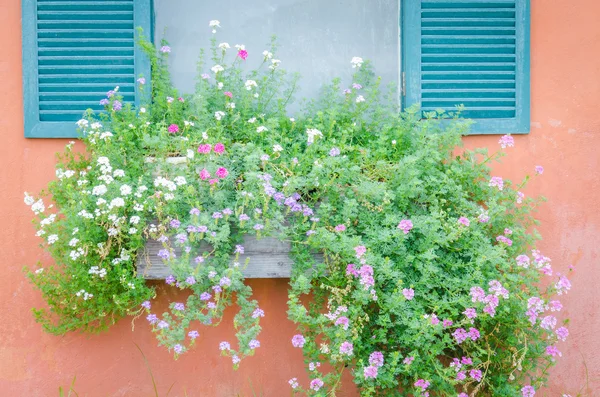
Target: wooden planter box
x,y
268,258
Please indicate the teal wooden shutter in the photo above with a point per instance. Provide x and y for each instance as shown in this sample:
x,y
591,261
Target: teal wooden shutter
x,y
73,53
469,52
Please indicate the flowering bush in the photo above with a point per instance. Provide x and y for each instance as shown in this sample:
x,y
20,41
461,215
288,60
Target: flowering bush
x,y
428,282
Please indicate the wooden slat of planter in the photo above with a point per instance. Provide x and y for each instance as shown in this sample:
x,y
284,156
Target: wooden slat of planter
x,y
269,258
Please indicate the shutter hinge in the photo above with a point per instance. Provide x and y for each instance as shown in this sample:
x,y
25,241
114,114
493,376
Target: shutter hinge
x,y
403,84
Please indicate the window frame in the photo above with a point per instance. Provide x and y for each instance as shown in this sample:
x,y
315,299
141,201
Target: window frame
x,y
410,44
33,127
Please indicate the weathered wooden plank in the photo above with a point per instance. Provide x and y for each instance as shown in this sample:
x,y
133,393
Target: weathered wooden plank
x,y
268,258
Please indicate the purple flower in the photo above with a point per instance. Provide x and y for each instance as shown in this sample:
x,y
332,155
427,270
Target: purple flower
x,y
461,375
506,141
224,346
178,348
316,384
460,335
310,232
254,344
170,280
343,321
104,102
447,323
146,305
163,324
117,106
199,259
405,225
334,152
217,289
258,226
497,182
226,211
239,249
235,359
504,239
474,334
470,313
258,312
528,391
141,80
179,306
193,334
347,91
346,348
225,281
244,217
475,374
190,280
562,333
205,296
298,340
376,359
370,372
165,49
356,86
175,223
422,383
539,169
211,305
408,293
464,221
205,76
217,215
466,361
152,319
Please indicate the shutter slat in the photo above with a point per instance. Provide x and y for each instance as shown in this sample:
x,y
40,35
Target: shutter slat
x,y
85,48
468,57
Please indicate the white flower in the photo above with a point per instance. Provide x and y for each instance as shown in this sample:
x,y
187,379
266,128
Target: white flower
x,y
142,110
267,54
217,68
29,200
356,62
214,24
292,119
47,221
118,173
38,207
188,123
230,105
99,190
169,196
100,202
82,123
132,230
255,95
219,115
138,207
96,126
224,46
180,180
52,239
262,128
249,84
394,142
312,133
240,46
274,63
125,190
40,233
190,154
130,126
107,134
134,220
277,148
73,242
40,270
220,85
117,202
360,99
252,120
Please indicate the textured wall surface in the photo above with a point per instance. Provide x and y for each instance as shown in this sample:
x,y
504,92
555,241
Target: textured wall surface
x,y
565,139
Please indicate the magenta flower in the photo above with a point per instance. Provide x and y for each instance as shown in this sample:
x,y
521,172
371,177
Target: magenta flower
x,y
461,375
173,128
539,169
165,49
213,181
528,391
294,383
422,383
408,293
346,348
475,374
474,334
405,225
204,174
298,340
504,239
204,149
555,306
228,94
370,372
219,148
466,361
464,221
222,172
242,54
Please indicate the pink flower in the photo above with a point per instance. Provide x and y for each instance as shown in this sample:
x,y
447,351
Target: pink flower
x,y
475,374
539,169
204,149
497,182
298,340
360,250
408,360
474,334
447,323
229,94
343,321
553,351
315,384
506,141
463,395
351,270
204,174
346,348
165,49
508,231
505,240
528,391
470,313
434,320
180,99
173,128
466,361
405,225
242,54
370,372
548,322
477,294
222,172
422,383
376,359
461,375
408,293
563,285
555,306
340,228
219,148
520,197
464,221
213,181
523,261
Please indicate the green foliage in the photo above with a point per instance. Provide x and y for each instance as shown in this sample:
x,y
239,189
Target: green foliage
x,y
392,203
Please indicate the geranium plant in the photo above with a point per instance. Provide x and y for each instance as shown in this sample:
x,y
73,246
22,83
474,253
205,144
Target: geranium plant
x,y
426,282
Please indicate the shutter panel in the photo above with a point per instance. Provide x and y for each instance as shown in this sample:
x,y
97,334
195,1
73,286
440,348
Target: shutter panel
x,y
73,53
469,52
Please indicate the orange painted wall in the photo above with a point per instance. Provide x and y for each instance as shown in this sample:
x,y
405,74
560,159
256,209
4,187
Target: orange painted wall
x,y
565,139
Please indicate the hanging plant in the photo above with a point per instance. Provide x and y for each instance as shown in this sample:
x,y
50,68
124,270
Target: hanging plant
x,y
426,279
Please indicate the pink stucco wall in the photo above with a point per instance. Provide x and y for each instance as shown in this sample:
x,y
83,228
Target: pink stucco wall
x,y
564,138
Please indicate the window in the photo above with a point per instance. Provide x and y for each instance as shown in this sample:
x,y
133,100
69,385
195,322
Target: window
x,y
73,53
470,52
